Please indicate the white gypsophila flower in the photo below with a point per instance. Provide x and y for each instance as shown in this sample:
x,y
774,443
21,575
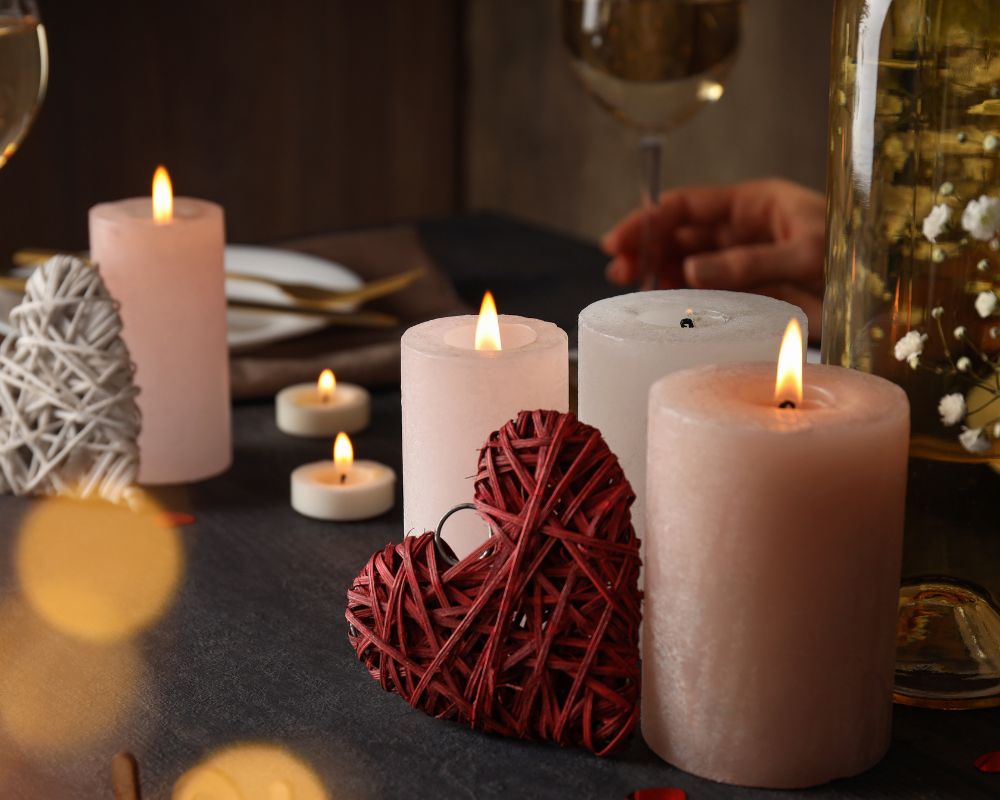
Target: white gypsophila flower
x,y
952,408
963,364
981,217
960,332
937,255
996,430
937,312
913,361
986,303
909,345
974,440
983,265
947,188
991,143
937,221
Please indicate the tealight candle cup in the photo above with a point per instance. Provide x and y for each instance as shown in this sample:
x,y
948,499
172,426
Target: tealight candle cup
x,y
304,410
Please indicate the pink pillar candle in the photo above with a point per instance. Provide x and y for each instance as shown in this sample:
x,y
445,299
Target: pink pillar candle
x,y
773,547
454,396
169,279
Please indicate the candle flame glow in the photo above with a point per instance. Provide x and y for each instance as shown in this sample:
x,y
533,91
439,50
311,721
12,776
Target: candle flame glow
x,y
163,196
343,451
326,385
788,387
488,325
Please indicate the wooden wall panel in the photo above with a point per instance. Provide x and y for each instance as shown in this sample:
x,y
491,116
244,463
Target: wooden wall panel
x,y
297,117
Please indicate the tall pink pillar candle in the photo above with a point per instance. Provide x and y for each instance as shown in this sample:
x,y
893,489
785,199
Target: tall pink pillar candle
x,y
773,547
169,279
454,396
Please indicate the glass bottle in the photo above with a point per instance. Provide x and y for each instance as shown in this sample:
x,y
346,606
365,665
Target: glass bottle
x,y
913,284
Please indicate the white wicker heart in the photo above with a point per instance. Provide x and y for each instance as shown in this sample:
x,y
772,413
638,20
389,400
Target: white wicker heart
x,y
68,418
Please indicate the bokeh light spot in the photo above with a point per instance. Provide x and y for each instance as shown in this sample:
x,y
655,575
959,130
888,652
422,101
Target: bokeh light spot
x,y
96,571
253,771
57,693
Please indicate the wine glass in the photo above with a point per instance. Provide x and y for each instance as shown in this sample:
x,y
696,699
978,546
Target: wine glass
x,y
653,64
24,71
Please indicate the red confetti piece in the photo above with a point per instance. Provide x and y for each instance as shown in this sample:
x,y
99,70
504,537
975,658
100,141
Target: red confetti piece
x,y
658,793
173,519
989,762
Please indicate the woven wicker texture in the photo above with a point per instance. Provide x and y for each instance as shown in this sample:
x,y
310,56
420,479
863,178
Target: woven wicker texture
x,y
535,634
68,418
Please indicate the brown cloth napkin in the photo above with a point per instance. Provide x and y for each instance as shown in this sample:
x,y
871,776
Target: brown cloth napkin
x,y
369,357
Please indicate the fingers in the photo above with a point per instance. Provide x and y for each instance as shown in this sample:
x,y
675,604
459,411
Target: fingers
x,y
744,267
621,271
696,205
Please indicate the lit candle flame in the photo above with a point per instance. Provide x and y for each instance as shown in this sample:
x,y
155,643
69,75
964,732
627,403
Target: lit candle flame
x,y
343,455
788,387
488,325
163,196
326,385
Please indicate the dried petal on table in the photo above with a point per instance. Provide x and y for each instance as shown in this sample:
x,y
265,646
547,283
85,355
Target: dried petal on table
x,y
989,762
174,519
658,793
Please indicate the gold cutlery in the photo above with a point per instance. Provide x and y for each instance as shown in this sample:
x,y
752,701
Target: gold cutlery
x,y
304,295
370,319
316,298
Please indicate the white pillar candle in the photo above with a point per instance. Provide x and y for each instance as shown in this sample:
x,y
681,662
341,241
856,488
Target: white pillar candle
x,y
323,408
774,541
343,489
454,396
629,341
168,276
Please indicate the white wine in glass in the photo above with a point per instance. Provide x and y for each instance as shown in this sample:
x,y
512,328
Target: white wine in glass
x,y
653,64
24,70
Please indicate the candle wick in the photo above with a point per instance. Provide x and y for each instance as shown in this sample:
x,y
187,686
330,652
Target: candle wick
x,y
787,404
343,477
687,322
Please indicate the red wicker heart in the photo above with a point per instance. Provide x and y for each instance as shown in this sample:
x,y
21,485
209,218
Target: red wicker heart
x,y
535,634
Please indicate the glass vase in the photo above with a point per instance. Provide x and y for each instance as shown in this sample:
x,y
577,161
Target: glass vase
x,y
913,282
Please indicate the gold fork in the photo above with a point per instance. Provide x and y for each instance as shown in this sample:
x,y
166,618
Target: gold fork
x,y
307,296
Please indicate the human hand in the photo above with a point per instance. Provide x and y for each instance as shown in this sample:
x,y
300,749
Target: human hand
x,y
764,236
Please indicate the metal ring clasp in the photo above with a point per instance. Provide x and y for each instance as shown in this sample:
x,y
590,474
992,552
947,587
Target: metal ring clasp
x,y
442,547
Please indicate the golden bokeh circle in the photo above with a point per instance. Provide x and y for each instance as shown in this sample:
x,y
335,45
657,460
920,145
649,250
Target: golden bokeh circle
x,y
96,571
251,771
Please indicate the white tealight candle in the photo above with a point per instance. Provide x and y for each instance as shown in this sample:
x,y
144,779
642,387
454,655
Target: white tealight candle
x,y
343,489
628,342
463,378
774,535
323,408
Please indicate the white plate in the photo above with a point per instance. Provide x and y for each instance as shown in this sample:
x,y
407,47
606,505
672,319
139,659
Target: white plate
x,y
247,327
250,328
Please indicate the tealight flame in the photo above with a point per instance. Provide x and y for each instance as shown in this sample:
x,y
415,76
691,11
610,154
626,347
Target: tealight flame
x,y
343,451
326,385
163,196
488,325
788,387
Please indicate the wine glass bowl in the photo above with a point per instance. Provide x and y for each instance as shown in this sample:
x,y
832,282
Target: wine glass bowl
x,y
24,70
653,64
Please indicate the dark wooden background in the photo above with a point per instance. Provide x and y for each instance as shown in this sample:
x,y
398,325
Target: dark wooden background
x,y
296,117
316,115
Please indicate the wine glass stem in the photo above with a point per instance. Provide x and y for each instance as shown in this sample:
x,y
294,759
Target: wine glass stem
x,y
651,165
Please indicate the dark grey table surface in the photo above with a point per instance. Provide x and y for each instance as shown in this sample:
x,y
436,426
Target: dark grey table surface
x,y
253,647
